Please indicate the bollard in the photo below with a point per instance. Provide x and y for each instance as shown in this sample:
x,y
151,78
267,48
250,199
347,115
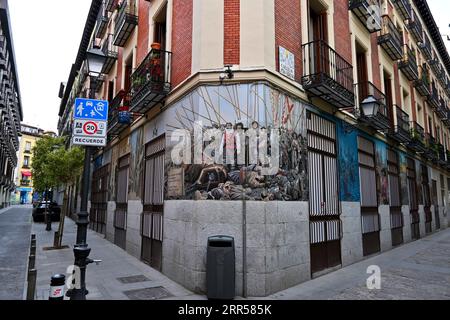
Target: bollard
x,y
31,288
33,237
33,250
57,285
31,261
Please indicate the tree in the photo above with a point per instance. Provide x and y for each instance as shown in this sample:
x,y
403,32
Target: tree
x,y
53,165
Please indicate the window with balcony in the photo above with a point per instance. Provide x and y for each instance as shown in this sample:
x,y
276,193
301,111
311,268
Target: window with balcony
x,y
408,64
326,74
422,84
403,8
390,38
364,10
125,22
415,27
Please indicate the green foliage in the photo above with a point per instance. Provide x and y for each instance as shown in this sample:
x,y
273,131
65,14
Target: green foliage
x,y
53,164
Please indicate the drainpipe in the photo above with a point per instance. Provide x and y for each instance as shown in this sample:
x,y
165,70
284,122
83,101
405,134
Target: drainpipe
x,y
244,244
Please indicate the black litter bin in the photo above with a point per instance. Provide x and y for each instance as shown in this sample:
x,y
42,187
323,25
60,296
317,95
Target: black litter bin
x,y
220,268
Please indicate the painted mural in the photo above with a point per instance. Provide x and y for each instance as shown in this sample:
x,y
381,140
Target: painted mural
x,y
403,179
382,172
136,164
348,164
231,113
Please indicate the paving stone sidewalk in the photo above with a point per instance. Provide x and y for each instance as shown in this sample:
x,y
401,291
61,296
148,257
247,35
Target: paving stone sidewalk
x,y
119,276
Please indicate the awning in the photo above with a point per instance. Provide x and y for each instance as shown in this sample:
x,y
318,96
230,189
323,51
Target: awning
x,y
26,173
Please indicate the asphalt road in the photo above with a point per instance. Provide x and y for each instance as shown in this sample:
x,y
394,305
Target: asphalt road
x,y
15,231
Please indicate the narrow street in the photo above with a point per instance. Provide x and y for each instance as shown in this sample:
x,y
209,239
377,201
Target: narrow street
x,y
15,230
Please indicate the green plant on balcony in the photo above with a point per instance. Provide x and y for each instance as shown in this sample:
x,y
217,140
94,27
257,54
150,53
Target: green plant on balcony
x,y
416,136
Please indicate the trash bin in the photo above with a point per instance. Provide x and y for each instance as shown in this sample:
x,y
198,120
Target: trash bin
x,y
220,268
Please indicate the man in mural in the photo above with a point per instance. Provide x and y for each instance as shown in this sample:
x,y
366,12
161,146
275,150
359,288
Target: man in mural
x,y
230,145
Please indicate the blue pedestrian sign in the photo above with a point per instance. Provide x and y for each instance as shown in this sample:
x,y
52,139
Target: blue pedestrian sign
x,y
91,109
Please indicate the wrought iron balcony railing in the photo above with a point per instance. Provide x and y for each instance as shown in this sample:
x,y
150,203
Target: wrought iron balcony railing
x,y
363,9
120,104
111,52
401,131
442,110
327,75
380,120
2,47
442,76
446,121
431,147
111,5
433,98
422,84
25,183
442,161
448,160
390,39
408,64
102,21
125,22
425,47
447,86
403,7
150,82
417,142
415,26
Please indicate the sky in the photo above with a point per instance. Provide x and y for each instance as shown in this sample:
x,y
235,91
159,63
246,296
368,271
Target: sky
x,y
46,35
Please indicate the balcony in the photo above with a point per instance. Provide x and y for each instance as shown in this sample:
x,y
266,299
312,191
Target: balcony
x,y
111,5
442,76
390,39
447,165
446,121
401,131
447,86
102,21
433,98
408,64
442,110
380,120
363,10
125,22
417,142
422,84
431,147
442,161
2,47
115,125
150,82
111,52
415,27
403,7
425,47
327,75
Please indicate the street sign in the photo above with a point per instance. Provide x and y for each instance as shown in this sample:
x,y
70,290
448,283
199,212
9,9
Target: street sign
x,y
89,141
91,109
90,122
90,128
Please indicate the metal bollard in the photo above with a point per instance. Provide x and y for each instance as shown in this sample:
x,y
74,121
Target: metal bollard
x,y
31,288
31,261
57,285
33,250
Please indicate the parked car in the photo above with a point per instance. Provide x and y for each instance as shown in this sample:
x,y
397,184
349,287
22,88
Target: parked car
x,y
39,211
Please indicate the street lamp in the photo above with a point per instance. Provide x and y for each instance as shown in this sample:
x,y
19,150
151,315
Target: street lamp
x,y
370,106
95,59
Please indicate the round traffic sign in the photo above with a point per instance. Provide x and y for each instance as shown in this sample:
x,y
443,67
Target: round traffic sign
x,y
90,128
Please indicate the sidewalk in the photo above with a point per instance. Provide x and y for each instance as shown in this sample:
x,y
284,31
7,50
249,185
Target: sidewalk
x,y
119,276
414,271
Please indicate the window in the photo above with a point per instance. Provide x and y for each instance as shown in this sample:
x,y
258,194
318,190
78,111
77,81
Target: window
x,y
28,146
26,161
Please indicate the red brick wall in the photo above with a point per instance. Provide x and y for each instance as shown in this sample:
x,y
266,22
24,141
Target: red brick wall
x,y
231,48
181,40
342,37
288,31
143,30
375,61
